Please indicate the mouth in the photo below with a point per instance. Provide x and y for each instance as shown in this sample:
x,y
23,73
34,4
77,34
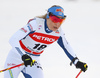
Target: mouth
x,y
55,27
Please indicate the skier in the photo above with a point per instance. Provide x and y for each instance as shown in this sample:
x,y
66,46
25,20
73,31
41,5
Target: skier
x,y
29,42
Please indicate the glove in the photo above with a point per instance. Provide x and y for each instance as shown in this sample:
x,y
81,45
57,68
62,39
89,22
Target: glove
x,y
82,66
27,60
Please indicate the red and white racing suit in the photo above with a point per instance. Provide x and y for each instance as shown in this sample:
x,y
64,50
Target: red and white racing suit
x,y
32,39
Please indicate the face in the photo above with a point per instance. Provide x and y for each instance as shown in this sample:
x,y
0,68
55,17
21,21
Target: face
x,y
53,26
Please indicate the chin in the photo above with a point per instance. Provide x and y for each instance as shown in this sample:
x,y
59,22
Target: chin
x,y
55,29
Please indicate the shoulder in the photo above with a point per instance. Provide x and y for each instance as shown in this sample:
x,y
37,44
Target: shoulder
x,y
36,20
40,20
34,23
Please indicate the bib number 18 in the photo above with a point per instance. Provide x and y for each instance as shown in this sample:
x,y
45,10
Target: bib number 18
x,y
39,47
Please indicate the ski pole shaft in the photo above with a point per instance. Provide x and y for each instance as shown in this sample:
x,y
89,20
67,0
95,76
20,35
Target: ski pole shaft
x,y
14,67
78,74
11,67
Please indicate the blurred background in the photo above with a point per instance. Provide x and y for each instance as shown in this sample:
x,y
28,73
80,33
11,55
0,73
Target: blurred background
x,y
81,27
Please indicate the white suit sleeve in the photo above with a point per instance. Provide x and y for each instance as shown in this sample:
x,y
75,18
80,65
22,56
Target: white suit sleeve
x,y
66,47
20,34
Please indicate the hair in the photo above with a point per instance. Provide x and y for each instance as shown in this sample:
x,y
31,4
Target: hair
x,y
44,16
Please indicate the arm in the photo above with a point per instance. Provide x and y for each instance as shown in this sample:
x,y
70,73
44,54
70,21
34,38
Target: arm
x,y
67,49
21,34
69,52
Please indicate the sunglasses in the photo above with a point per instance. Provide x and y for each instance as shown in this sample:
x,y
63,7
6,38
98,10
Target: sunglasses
x,y
56,19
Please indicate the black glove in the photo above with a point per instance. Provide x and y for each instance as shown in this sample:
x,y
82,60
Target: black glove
x,y
82,66
27,60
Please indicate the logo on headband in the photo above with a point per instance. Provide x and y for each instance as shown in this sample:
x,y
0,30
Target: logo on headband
x,y
57,10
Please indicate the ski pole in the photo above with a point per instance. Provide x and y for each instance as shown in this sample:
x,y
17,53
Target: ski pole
x,y
14,66
78,74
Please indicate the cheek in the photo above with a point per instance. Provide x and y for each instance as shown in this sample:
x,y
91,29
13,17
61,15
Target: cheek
x,y
51,23
59,24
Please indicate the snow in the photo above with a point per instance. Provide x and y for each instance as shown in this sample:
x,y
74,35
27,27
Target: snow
x,y
81,29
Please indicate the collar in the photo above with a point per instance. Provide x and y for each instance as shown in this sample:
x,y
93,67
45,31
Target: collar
x,y
46,27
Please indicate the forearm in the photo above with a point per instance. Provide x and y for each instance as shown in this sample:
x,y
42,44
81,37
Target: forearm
x,y
67,49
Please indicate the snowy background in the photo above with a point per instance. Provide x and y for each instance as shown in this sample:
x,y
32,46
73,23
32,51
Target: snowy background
x,y
81,27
